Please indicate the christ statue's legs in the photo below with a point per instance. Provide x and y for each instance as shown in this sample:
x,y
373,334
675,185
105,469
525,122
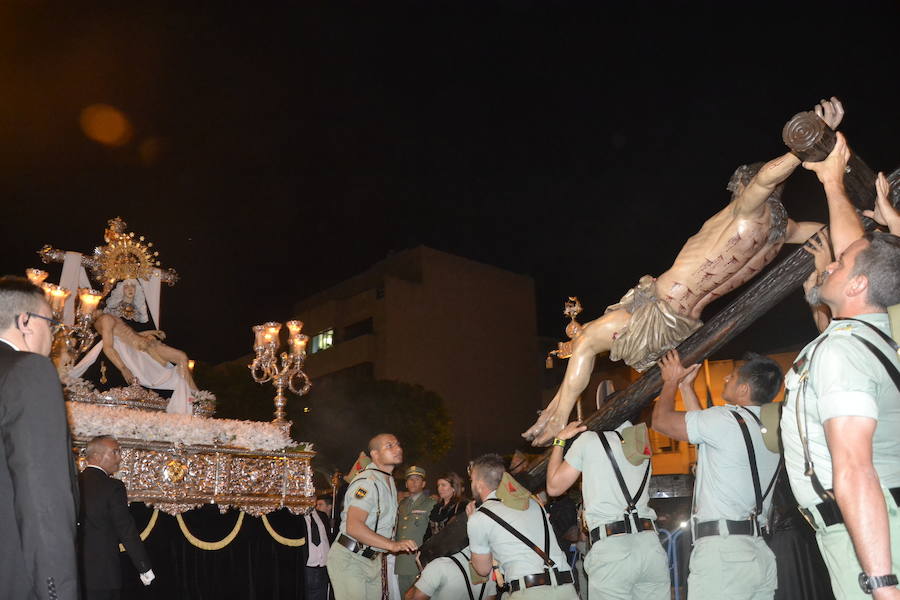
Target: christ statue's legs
x,y
596,338
164,354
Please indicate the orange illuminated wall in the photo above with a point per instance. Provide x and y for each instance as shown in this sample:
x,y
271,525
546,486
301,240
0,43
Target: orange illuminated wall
x,y
673,457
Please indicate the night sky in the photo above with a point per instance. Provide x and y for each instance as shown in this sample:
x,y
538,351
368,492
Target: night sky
x,y
280,148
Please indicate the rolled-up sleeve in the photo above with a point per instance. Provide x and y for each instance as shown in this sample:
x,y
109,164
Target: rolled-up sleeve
x,y
477,527
705,426
844,379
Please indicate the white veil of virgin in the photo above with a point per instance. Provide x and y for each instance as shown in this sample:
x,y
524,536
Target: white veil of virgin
x,y
117,304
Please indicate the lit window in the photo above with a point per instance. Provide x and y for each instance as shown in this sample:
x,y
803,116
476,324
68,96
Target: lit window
x,y
322,341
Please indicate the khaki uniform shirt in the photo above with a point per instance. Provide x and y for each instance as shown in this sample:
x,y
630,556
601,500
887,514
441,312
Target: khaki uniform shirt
x,y
724,483
486,536
845,379
442,580
603,498
373,491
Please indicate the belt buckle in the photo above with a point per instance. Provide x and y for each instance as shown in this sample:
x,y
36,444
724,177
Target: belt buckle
x,y
722,528
631,521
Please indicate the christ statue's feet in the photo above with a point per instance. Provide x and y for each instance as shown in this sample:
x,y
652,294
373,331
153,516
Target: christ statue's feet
x,y
551,422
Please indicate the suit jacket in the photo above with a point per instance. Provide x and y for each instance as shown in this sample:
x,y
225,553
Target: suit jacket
x,y
38,489
105,523
412,522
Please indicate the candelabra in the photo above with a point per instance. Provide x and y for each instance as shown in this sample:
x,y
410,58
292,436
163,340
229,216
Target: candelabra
x,y
80,336
286,373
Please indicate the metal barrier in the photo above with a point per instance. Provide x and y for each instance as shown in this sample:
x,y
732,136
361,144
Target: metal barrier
x,y
670,542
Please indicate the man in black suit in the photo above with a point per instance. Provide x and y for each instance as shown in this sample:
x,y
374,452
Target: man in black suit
x,y
106,522
38,490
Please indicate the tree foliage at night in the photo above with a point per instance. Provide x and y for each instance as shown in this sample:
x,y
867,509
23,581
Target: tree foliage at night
x,y
344,413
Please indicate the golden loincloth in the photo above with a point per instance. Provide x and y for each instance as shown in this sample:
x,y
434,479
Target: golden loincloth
x,y
653,329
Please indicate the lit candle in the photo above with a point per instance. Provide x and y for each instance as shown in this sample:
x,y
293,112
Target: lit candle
x,y
88,300
57,297
294,327
298,345
258,333
191,366
271,335
36,276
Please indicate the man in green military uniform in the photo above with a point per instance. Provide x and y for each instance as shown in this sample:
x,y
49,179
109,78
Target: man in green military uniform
x,y
412,522
367,525
841,421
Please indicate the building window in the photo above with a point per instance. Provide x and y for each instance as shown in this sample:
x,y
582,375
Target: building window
x,y
357,329
322,341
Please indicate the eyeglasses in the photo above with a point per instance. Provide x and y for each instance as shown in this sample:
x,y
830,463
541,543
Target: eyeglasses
x,y
53,323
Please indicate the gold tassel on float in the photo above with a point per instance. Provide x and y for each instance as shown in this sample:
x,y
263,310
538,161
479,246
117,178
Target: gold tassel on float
x,y
293,543
210,545
146,532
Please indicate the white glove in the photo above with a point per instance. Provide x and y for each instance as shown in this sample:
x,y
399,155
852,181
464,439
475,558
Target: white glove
x,y
147,577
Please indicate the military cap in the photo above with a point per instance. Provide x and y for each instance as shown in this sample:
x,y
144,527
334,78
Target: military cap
x,y
511,493
414,470
361,463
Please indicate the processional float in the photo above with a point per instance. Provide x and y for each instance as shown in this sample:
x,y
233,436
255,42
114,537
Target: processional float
x,y
175,455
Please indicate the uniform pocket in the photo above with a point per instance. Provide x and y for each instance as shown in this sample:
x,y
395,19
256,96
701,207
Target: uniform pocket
x,y
738,556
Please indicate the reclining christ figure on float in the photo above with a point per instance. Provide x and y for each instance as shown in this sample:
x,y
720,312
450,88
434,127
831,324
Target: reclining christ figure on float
x,y
140,356
660,312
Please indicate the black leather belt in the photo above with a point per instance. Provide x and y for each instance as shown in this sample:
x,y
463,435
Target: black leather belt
x,y
831,512
621,527
562,577
707,528
356,548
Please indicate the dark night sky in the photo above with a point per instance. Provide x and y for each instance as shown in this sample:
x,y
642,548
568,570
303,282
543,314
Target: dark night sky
x,y
301,142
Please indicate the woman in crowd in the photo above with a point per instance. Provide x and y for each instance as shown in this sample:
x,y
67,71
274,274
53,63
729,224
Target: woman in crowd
x,y
451,502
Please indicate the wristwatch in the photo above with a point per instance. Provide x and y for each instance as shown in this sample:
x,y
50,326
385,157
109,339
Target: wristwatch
x,y
869,583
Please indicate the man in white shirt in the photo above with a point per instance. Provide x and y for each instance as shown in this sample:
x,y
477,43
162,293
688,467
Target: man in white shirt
x,y
841,421
626,559
317,544
452,578
535,567
735,472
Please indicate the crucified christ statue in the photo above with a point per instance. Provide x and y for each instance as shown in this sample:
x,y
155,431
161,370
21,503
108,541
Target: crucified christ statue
x,y
655,316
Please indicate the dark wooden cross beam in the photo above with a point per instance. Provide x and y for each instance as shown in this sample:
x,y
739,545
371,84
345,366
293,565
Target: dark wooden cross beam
x,y
809,138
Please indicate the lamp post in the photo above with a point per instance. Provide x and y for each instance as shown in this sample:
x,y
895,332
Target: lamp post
x,y
286,372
